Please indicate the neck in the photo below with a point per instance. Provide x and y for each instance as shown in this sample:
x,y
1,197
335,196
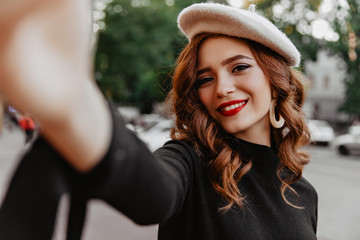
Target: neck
x,y
259,134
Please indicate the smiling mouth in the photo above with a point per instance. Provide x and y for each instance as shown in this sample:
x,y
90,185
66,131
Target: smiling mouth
x,y
231,108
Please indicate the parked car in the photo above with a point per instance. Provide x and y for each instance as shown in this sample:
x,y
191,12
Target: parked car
x,y
321,132
156,135
348,143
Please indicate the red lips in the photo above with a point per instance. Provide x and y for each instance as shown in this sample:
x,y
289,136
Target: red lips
x,y
238,106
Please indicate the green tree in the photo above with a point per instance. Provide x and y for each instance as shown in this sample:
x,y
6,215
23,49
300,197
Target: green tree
x,y
292,21
137,49
348,46
298,16
140,42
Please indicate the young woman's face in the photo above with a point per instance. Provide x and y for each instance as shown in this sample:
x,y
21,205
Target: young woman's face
x,y
234,89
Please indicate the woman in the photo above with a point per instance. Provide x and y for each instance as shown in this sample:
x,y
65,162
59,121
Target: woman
x,y
233,169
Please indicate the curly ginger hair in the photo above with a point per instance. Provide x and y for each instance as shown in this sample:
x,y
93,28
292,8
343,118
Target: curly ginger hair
x,y
194,125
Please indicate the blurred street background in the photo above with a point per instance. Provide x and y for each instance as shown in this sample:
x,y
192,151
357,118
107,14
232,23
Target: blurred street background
x,y
135,45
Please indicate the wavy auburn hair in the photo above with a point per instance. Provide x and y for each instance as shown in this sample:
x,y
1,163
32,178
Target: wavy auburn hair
x,y
195,126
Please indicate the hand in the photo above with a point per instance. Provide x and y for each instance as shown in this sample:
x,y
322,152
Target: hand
x,y
45,55
45,69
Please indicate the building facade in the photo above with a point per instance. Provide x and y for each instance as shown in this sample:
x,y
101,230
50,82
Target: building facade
x,y
325,88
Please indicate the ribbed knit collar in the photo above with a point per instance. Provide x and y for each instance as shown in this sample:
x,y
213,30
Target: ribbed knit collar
x,y
264,158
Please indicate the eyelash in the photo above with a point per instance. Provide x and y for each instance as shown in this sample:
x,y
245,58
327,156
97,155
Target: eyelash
x,y
241,66
202,81
237,68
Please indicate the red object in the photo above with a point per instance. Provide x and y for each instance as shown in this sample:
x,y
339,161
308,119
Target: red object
x,y
26,123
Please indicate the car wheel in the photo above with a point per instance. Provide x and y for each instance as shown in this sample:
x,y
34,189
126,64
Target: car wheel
x,y
343,150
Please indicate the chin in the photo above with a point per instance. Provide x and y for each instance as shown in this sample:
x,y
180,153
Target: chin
x,y
233,131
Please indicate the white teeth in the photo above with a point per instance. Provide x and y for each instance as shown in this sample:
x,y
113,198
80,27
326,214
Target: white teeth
x,y
232,107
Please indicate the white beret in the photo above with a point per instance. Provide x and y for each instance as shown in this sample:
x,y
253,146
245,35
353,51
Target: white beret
x,y
217,18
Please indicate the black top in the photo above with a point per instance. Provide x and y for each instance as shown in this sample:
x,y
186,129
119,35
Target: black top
x,y
170,187
265,215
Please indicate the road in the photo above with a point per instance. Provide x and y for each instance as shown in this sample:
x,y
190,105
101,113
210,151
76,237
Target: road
x,y
336,179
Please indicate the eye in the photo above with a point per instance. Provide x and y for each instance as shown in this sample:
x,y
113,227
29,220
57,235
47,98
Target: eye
x,y
240,67
202,81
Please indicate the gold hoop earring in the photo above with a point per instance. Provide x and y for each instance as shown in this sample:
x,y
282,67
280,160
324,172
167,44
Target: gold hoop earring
x,y
275,123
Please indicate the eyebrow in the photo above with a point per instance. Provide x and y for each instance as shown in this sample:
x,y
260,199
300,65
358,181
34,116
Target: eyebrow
x,y
229,60
224,62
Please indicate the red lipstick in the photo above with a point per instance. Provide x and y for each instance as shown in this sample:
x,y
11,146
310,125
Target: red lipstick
x,y
231,108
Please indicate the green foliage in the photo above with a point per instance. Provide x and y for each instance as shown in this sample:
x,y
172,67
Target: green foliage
x,y
309,46
136,51
139,45
352,100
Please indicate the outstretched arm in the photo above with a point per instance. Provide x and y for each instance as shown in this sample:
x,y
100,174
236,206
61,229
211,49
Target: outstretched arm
x,y
46,70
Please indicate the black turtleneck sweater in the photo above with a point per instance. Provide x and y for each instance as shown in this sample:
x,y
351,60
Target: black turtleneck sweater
x,y
170,187
265,215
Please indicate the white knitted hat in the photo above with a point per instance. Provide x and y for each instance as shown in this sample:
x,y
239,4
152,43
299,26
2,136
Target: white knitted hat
x,y
217,18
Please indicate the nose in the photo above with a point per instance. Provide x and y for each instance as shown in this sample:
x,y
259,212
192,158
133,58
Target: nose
x,y
225,86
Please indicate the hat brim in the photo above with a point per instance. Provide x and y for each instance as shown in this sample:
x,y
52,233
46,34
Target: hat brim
x,y
227,20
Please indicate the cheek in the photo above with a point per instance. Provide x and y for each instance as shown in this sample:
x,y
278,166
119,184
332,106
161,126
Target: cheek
x,y
206,98
265,91
264,95
261,85
261,91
